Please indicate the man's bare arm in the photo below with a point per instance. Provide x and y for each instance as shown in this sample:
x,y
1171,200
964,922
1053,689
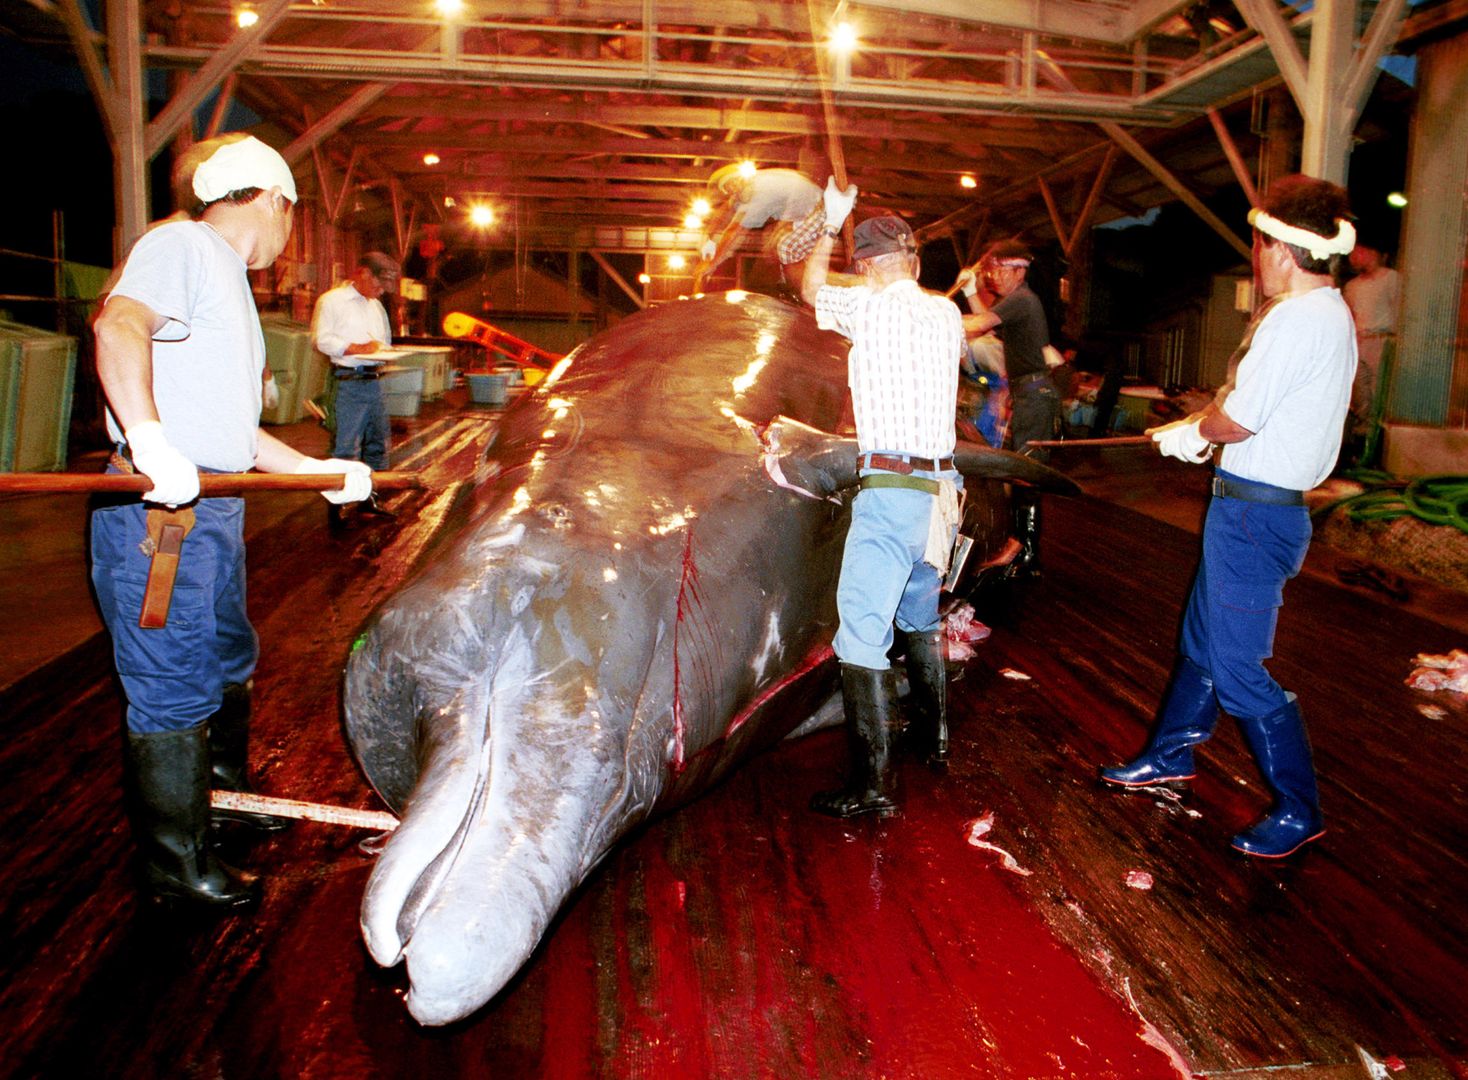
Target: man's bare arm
x,y
125,332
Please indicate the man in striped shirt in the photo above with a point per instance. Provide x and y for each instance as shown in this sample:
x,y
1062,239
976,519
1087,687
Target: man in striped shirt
x,y
903,372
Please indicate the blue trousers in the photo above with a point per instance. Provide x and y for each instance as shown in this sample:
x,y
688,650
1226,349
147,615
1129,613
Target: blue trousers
x,y
883,576
363,432
174,676
1249,551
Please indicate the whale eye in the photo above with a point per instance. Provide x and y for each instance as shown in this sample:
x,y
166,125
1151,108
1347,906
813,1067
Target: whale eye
x,y
557,514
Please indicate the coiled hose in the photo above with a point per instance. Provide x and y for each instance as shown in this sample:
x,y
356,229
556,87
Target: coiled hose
x,y
1438,500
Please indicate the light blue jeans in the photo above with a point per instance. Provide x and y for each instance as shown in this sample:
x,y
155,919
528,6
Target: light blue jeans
x,y
883,576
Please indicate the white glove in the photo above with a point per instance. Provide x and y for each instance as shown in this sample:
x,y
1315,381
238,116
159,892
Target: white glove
x,y
175,478
270,395
968,282
356,487
1181,439
838,203
708,249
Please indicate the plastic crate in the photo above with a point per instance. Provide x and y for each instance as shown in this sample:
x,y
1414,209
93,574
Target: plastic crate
x,y
402,390
487,389
288,352
37,372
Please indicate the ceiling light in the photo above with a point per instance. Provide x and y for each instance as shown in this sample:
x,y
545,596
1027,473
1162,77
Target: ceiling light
x,y
967,181
692,221
448,8
702,208
430,158
644,279
449,202
246,17
843,39
747,169
1397,199
676,262
481,215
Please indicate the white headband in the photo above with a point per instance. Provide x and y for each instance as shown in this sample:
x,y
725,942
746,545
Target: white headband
x,y
248,163
1319,247
1016,263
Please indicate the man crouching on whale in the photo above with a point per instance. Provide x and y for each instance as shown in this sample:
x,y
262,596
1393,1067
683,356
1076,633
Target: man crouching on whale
x,y
903,373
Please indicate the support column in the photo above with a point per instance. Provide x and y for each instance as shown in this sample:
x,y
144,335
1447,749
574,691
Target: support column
x,y
129,162
1434,238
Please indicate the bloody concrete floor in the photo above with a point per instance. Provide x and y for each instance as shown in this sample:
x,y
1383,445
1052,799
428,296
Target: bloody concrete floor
x,y
744,937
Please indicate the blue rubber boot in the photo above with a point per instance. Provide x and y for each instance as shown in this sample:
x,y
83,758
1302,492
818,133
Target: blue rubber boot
x,y
1282,751
1187,719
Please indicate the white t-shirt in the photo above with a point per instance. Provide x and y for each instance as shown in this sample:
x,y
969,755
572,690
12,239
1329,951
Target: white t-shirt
x,y
345,317
906,345
1292,390
777,195
209,358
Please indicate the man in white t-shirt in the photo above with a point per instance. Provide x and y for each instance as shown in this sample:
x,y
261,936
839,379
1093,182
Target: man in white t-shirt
x,y
180,356
1280,427
906,345
767,195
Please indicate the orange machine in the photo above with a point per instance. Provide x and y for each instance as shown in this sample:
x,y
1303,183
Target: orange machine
x,y
500,347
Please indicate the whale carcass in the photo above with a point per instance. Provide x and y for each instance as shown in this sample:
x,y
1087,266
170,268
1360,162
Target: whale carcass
x,y
643,596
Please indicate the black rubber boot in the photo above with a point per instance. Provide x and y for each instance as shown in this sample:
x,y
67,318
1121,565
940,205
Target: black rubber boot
x,y
1026,506
869,697
927,696
229,747
169,775
1188,717
1282,751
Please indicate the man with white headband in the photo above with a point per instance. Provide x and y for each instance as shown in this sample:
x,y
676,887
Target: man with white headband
x,y
1280,424
180,356
1018,318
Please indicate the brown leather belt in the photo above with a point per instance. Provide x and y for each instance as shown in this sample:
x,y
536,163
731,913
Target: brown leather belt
x,y
904,464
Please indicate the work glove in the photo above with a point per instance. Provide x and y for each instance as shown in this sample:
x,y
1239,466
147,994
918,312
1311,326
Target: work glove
x,y
708,249
270,394
175,478
358,483
838,203
968,281
1181,439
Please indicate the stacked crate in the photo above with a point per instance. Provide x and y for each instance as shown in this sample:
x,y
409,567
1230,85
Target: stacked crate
x,y
37,371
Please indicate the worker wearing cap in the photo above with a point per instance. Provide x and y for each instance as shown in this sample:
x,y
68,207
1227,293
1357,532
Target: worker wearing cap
x,y
348,326
1280,425
906,344
752,202
180,355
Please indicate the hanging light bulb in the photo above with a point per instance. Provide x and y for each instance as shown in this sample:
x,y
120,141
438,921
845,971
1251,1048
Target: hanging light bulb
x,y
431,158
246,16
481,215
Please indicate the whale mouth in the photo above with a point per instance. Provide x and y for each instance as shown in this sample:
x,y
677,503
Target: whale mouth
x,y
418,860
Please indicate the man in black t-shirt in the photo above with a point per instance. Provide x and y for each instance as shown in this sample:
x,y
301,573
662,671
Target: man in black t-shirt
x,y
1018,319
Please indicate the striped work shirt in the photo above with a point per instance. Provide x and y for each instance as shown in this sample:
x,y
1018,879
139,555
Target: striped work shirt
x,y
903,366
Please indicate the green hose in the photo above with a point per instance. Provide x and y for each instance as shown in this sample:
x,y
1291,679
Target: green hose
x,y
1438,500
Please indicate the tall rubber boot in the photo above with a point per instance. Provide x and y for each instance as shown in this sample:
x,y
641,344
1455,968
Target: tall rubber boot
x,y
1282,751
927,680
169,774
1188,717
1026,507
869,697
229,747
